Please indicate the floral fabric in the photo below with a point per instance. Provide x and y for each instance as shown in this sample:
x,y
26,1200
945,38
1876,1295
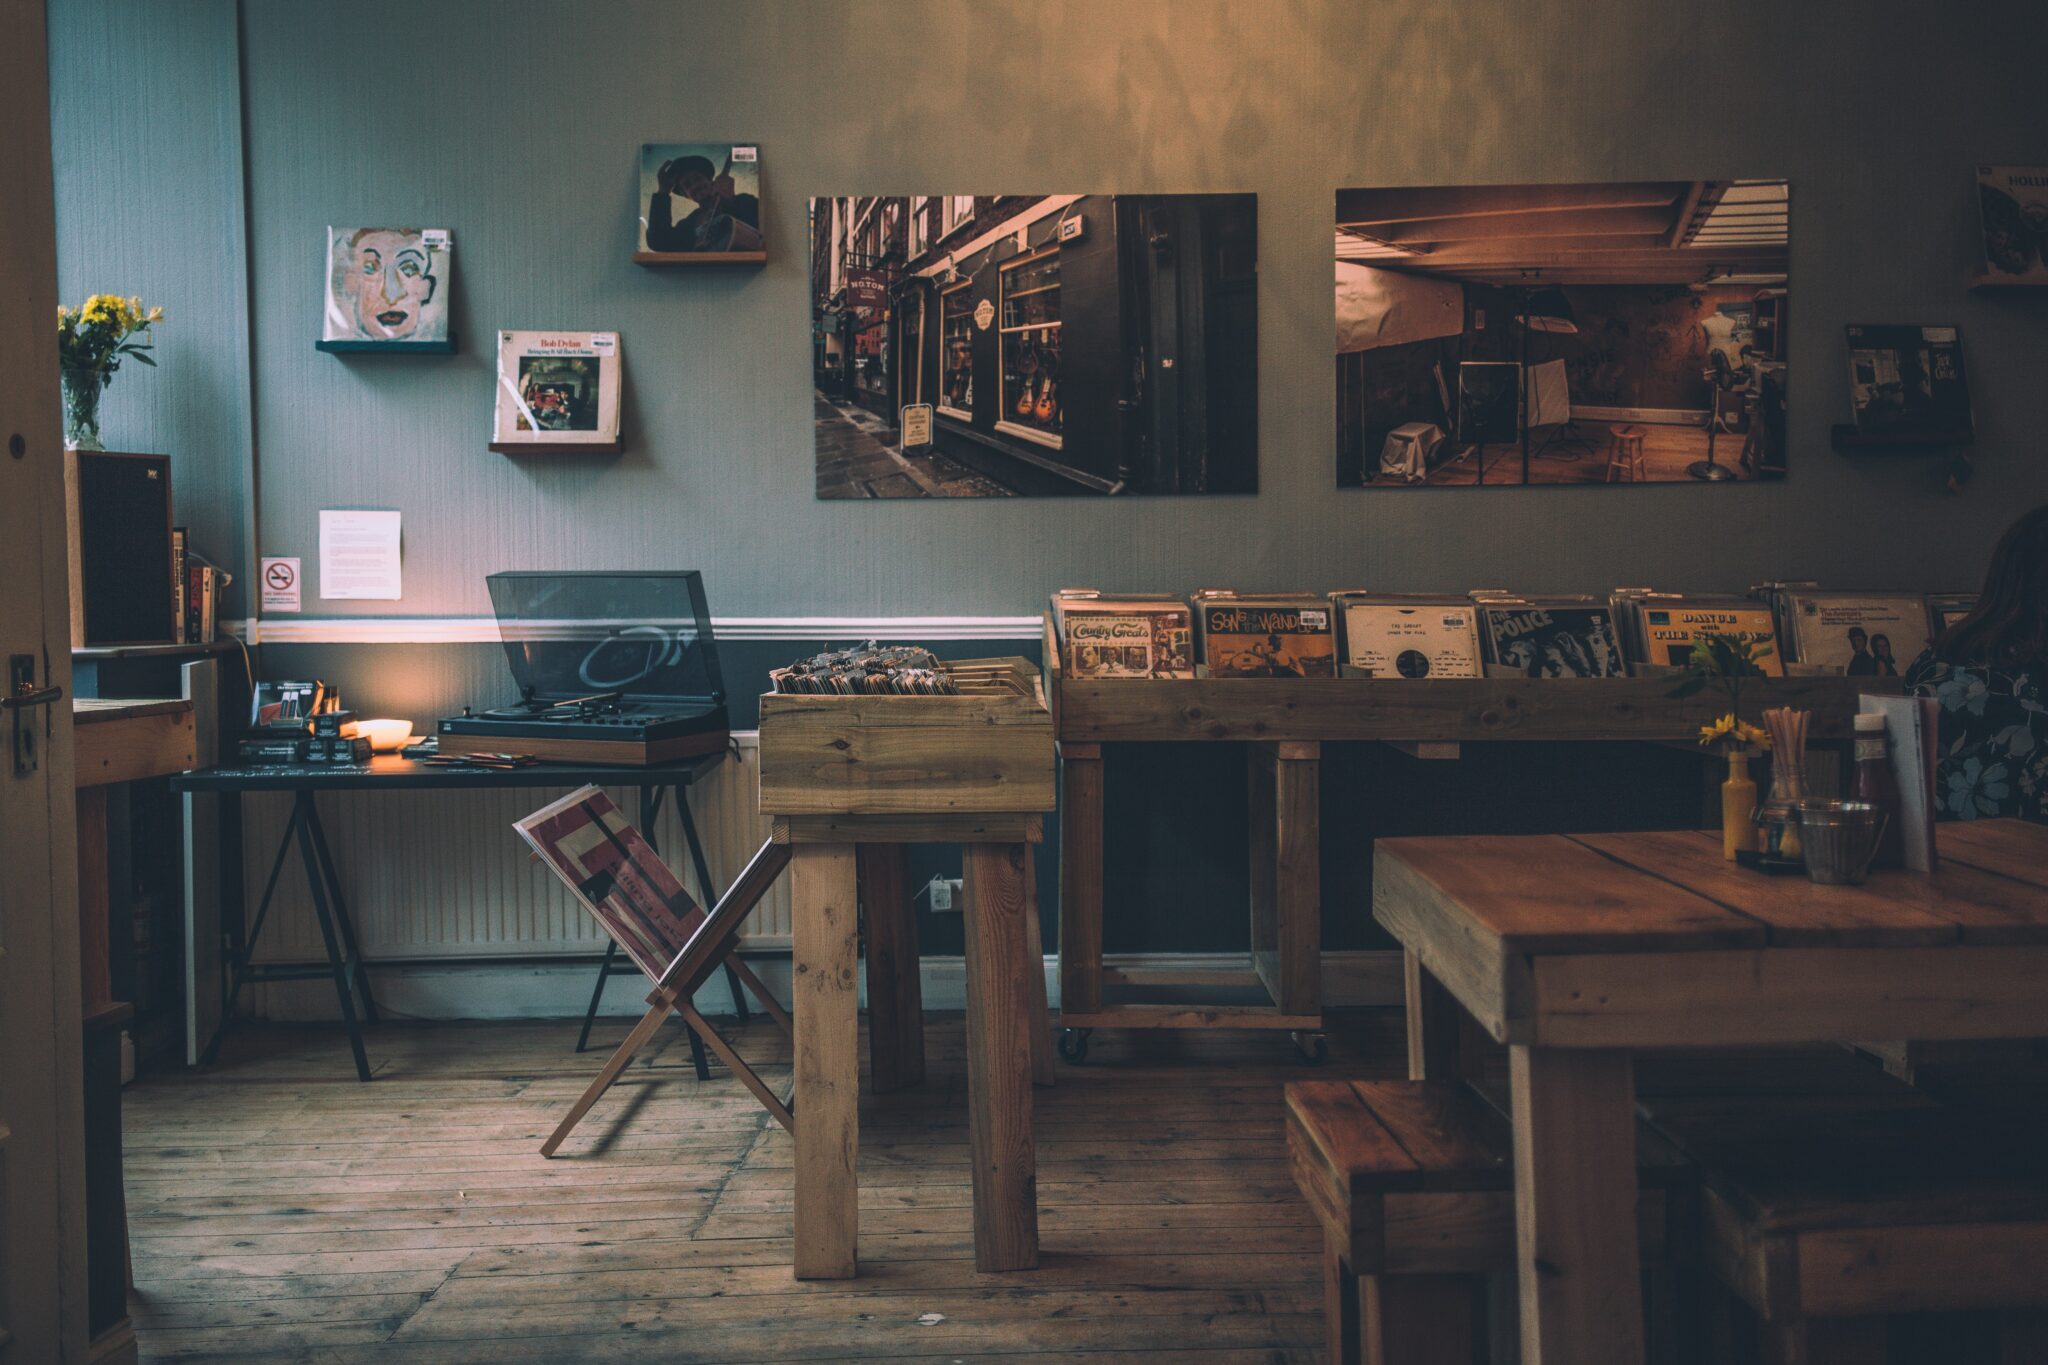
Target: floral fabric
x,y
1992,750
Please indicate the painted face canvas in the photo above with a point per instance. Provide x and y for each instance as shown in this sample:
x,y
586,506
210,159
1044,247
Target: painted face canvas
x,y
1613,333
700,201
387,288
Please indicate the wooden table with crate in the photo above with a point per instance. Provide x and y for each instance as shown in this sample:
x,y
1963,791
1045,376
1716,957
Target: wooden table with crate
x,y
848,780
1579,951
1283,724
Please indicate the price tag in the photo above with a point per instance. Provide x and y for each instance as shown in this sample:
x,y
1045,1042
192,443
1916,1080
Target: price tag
x,y
437,239
745,154
604,343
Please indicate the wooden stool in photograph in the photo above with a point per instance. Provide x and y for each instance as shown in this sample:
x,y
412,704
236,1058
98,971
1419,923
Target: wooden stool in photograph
x,y
1625,454
1413,1183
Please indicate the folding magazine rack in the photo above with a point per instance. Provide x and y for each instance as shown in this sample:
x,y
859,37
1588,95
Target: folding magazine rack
x,y
677,946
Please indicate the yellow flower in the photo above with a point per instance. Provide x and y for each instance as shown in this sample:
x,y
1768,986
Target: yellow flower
x,y
155,315
1729,728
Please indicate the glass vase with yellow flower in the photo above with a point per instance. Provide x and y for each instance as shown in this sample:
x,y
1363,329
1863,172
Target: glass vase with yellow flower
x,y
92,341
1726,662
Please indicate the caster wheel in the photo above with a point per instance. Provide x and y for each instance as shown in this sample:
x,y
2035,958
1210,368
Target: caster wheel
x,y
1313,1047
1074,1044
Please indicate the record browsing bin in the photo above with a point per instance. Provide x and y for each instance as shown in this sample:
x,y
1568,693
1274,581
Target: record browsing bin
x,y
986,750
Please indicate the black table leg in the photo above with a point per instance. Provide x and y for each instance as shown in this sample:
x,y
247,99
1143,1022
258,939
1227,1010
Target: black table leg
x,y
344,987
604,970
238,964
358,972
710,894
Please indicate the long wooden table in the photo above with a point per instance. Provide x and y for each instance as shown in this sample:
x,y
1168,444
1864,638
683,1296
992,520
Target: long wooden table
x,y
1577,951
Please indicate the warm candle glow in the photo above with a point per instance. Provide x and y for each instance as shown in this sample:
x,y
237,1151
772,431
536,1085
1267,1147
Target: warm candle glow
x,y
385,736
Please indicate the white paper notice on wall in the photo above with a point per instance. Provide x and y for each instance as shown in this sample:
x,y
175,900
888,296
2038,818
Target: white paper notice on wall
x,y
359,555
279,580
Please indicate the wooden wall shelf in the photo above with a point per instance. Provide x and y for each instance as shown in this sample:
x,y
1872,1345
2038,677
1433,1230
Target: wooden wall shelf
x,y
1999,284
700,258
1848,439
560,447
390,347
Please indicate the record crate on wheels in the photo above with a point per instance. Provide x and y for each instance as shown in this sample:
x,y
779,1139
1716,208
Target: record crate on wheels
x,y
1283,724
849,780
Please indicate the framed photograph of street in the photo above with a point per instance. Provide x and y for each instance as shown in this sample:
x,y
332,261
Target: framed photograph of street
x,y
1044,345
700,204
1520,335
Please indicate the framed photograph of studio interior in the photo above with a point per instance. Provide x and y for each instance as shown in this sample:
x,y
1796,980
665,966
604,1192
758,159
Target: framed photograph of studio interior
x,y
700,204
386,289
1607,333
1065,345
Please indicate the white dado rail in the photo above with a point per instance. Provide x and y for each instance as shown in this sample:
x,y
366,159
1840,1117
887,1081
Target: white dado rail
x,y
462,630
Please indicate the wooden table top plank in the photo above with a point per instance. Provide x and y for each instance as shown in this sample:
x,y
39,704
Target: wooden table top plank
x,y
99,710
1542,894
1889,911
2010,848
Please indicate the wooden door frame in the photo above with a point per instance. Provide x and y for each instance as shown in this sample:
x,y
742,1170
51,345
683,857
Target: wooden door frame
x,y
42,1171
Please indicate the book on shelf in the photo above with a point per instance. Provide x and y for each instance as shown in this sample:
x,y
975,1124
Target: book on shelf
x,y
178,594
1394,635
1265,635
1908,381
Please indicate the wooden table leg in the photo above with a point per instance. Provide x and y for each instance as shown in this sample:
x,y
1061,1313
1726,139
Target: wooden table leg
x,y
1080,878
825,1004
1575,1206
1444,1042
1041,1009
895,995
1001,1148
1298,876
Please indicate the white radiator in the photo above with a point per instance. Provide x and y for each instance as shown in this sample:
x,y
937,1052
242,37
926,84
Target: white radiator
x,y
441,874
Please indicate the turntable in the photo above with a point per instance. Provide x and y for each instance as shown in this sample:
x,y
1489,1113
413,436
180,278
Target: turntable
x,y
611,668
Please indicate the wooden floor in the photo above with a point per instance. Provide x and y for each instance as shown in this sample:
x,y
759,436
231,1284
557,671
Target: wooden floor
x,y
283,1211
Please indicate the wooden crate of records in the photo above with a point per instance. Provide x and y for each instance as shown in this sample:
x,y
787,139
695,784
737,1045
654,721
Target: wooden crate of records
x,y
987,748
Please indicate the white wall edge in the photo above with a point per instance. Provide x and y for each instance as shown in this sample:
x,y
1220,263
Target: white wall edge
x,y
465,630
561,990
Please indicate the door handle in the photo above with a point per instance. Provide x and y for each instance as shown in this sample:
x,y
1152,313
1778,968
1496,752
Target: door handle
x,y
23,696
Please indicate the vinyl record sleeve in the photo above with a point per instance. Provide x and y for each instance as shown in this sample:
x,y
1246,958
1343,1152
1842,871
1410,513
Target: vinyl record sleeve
x,y
1272,635
557,388
1865,635
1538,639
1671,625
1105,635
1385,636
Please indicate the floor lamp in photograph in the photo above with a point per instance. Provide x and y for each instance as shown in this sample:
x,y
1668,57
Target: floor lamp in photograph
x,y
1542,310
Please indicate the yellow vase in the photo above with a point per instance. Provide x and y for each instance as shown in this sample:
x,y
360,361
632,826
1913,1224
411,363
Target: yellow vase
x,y
1738,806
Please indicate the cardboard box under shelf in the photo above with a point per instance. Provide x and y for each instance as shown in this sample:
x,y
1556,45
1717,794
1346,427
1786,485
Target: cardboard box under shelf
x,y
989,749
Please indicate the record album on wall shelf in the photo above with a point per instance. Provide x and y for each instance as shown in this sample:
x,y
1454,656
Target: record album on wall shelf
x,y
1515,335
1063,345
2012,207
386,289
558,391
1907,387
700,204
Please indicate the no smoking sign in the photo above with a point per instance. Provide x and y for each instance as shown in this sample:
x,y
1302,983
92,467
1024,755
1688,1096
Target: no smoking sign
x,y
280,580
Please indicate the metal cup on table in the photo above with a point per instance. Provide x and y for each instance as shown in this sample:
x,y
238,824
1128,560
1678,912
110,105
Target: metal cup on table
x,y
1840,838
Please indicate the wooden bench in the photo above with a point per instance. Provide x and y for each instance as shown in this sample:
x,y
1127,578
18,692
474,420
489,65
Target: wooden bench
x,y
1826,1223
1413,1183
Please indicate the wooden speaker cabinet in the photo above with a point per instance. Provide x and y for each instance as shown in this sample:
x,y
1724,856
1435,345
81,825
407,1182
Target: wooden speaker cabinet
x,y
118,532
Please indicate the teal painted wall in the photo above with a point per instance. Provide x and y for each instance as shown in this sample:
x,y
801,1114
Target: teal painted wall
x,y
515,123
